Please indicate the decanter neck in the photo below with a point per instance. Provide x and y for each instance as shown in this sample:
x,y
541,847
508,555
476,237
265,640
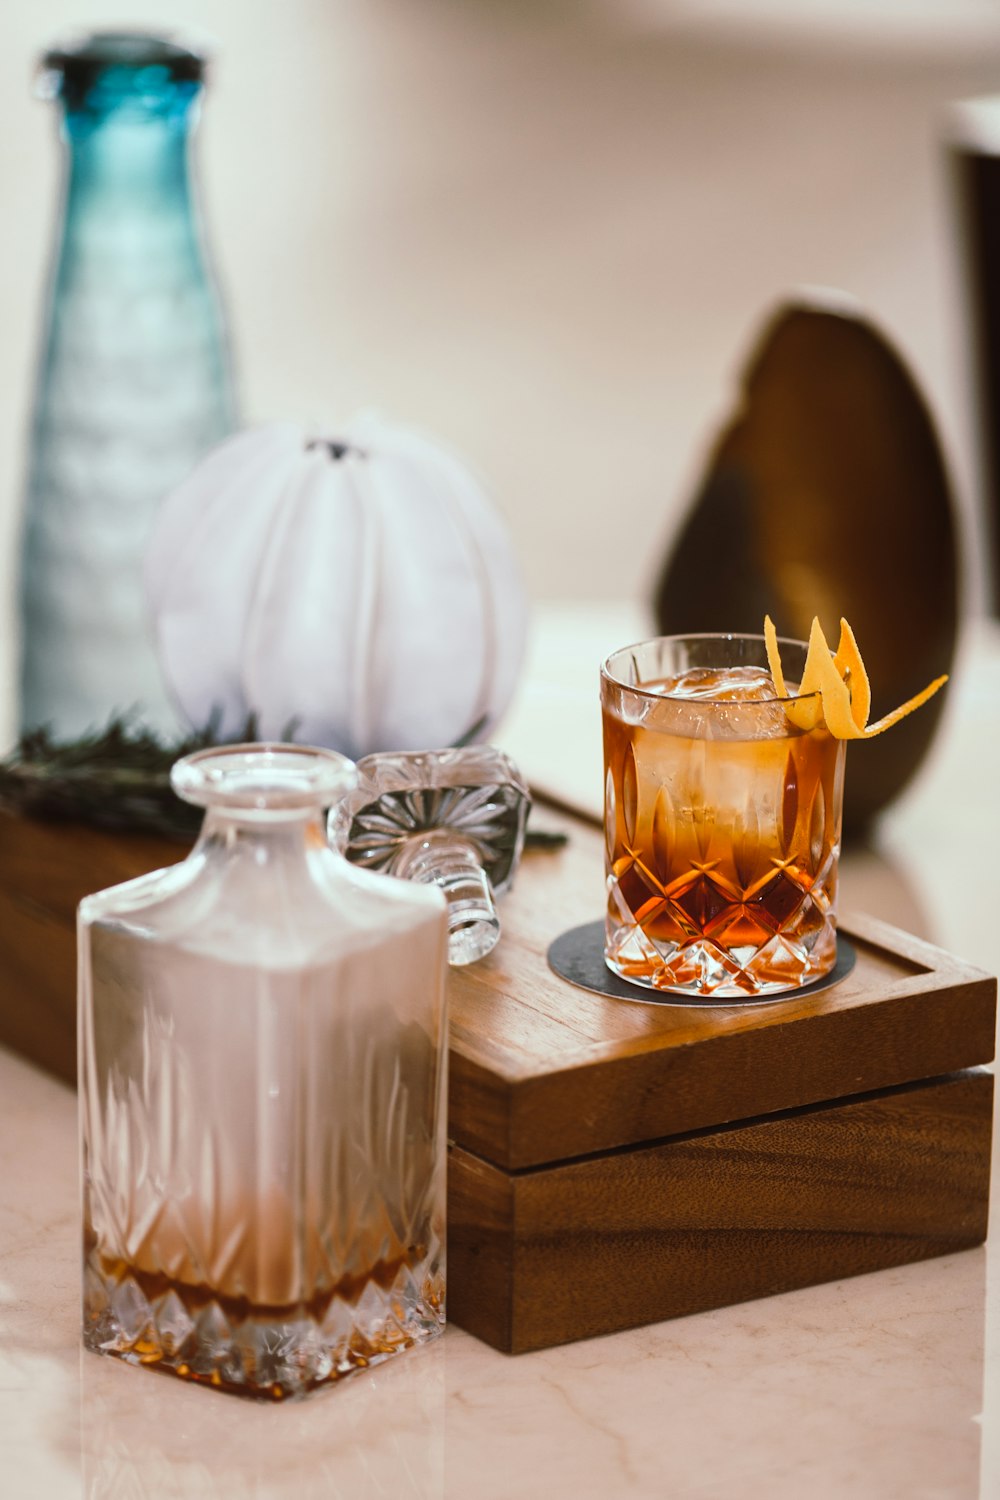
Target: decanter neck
x,y
262,799
129,101
137,163
262,837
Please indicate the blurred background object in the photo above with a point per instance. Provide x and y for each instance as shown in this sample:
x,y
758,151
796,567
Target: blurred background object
x,y
974,140
545,230
355,586
134,378
826,494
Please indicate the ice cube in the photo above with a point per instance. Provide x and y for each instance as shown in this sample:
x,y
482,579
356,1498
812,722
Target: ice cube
x,y
722,685
734,703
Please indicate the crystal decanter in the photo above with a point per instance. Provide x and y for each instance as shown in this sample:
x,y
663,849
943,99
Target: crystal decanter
x,y
262,1071
450,818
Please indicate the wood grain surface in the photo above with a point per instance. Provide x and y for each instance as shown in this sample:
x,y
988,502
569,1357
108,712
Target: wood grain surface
x,y
541,1070
552,1254
46,869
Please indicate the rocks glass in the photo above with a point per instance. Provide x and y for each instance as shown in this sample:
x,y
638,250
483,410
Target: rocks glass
x,y
262,1089
722,821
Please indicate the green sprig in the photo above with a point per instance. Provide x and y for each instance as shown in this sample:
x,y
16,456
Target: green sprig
x,y
116,778
119,778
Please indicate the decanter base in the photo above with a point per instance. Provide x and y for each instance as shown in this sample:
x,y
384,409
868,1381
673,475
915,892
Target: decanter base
x,y
267,1354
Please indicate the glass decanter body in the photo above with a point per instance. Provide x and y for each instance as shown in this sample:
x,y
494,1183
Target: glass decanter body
x,y
134,381
262,1093
452,818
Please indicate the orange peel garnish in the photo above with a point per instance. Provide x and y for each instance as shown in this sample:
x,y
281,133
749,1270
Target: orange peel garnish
x,y
848,662
835,687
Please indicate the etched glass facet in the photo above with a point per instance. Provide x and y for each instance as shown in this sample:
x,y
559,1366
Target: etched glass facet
x,y
452,818
263,1095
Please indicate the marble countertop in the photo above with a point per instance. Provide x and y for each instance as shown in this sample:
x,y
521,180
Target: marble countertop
x,y
878,1387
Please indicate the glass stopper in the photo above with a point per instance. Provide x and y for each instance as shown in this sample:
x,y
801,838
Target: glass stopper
x,y
452,818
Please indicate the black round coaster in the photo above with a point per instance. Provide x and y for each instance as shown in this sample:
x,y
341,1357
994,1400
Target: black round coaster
x,y
578,955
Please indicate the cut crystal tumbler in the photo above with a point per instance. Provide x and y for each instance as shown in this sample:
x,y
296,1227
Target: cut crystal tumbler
x,y
722,821
262,1056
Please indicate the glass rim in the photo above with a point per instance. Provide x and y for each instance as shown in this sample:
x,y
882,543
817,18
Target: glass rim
x,y
263,777
703,635
128,47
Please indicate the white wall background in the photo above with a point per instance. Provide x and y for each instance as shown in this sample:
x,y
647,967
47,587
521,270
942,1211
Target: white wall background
x,y
544,230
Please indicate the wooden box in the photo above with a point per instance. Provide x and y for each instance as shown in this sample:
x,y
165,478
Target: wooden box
x,y
616,1163
613,1163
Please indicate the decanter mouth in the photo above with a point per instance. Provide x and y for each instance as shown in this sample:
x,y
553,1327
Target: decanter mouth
x,y
103,72
264,778
182,57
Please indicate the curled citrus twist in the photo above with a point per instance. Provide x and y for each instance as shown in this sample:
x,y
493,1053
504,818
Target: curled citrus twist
x,y
835,687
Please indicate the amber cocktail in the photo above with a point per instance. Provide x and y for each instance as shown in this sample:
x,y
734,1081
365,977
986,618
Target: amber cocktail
x,y
722,821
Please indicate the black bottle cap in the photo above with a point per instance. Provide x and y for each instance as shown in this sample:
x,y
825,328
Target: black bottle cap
x,y
70,68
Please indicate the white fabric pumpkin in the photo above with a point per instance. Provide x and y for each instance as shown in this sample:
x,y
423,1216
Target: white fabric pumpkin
x,y
362,587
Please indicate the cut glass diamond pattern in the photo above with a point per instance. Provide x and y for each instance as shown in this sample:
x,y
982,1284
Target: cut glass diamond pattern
x,y
132,1312
724,941
257,1356
172,1321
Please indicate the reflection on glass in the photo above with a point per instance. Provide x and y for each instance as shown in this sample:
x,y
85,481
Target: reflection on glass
x,y
149,1440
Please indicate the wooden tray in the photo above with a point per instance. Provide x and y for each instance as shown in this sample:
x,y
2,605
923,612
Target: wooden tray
x,y
46,869
615,1163
541,1070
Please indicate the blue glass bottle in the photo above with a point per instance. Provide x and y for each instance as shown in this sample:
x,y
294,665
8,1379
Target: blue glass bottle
x,y
134,383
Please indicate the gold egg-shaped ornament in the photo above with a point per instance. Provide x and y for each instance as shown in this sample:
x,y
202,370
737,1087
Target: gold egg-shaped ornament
x,y
826,494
